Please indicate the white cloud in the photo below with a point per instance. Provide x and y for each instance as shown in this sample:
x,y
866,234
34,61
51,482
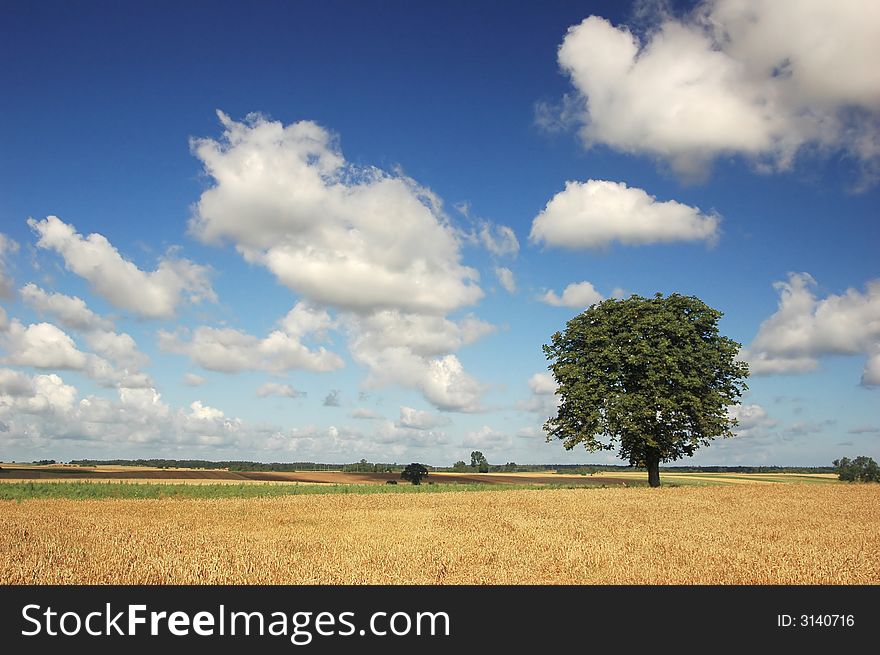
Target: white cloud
x,y
41,345
805,328
71,312
578,295
500,240
153,294
413,350
596,213
530,432
420,420
50,410
751,77
46,346
193,380
542,384
506,278
276,389
119,348
752,420
14,383
488,439
421,334
7,286
376,247
229,350
354,238
543,400
871,374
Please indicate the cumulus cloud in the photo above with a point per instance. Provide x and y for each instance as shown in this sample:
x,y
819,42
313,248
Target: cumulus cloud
x,y
805,328
69,311
50,409
15,383
41,345
332,399
596,213
7,285
276,389
752,420
46,346
579,295
351,237
744,77
414,350
420,420
374,246
153,294
506,278
229,350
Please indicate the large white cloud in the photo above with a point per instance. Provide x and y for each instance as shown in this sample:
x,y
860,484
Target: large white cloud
x,y
577,295
596,213
375,247
761,78
153,294
354,238
805,328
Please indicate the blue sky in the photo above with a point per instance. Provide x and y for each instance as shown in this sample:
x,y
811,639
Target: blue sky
x,y
326,231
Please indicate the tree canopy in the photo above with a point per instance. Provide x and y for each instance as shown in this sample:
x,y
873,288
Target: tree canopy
x,y
652,376
414,472
860,469
479,461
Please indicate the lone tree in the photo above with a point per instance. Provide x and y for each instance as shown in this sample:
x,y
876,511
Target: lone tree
x,y
651,375
414,473
479,461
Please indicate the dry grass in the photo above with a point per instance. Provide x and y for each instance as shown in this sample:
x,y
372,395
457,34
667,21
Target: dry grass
x,y
743,534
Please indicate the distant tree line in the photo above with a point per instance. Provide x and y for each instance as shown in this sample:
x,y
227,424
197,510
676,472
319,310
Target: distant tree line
x,y
476,465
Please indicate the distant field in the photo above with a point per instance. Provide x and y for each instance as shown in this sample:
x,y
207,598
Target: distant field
x,y
17,472
212,477
719,534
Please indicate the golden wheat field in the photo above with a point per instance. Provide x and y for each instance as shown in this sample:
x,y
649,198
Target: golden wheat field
x,y
738,534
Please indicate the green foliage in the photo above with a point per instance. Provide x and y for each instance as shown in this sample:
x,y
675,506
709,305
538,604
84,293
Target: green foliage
x,y
650,376
479,461
414,472
860,469
459,467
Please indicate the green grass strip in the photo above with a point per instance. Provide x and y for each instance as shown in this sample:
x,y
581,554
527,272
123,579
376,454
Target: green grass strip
x,y
21,491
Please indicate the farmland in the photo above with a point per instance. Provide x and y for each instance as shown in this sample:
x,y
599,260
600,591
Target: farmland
x,y
727,533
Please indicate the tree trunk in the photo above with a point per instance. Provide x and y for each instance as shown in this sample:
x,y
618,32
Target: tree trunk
x,y
652,462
